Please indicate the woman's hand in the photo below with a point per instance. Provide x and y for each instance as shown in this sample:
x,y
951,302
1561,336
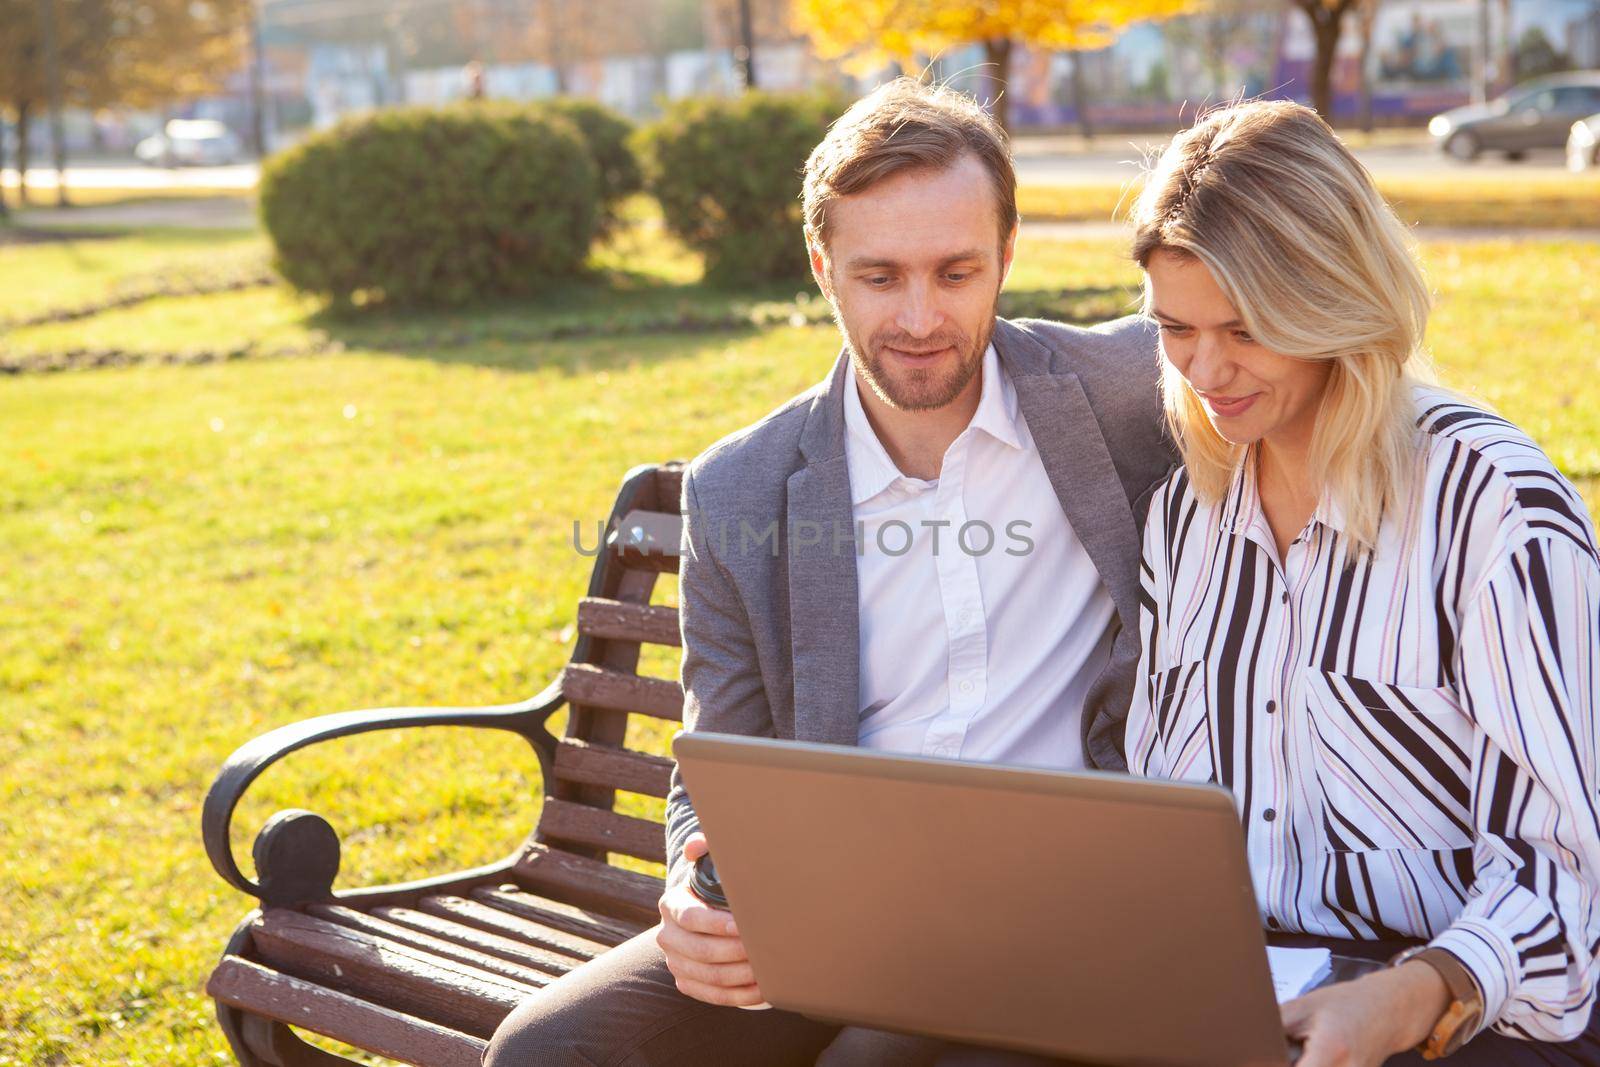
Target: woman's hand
x,y
1364,1022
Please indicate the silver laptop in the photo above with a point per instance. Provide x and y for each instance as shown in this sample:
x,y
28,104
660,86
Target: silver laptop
x,y
1094,916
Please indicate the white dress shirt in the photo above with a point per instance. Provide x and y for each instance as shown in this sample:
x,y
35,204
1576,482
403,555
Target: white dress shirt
x,y
983,620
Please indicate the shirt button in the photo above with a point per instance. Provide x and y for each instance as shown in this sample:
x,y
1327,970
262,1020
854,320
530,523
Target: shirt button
x,y
1269,814
966,687
1272,921
1284,597
1272,706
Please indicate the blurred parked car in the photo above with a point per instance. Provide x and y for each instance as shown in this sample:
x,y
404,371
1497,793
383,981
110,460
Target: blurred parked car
x,y
190,143
1536,114
1583,144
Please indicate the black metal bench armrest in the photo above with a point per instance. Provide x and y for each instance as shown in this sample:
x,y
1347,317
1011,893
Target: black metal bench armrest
x,y
526,719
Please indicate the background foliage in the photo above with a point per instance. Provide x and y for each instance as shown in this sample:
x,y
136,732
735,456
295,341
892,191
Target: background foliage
x,y
727,175
432,205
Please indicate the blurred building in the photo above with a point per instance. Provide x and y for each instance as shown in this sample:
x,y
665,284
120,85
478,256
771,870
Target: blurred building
x,y
327,58
1420,58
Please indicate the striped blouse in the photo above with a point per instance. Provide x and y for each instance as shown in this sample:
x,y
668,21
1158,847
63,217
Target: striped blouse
x,y
1410,738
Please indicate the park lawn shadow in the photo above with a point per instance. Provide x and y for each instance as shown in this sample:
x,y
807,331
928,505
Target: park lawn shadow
x,y
638,286
596,305
640,283
613,308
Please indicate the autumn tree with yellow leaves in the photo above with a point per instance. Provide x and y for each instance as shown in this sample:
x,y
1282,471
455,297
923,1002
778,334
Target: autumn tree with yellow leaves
x,y
137,53
875,31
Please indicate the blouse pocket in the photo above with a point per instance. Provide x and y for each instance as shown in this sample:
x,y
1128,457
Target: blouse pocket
x,y
1182,710
1392,762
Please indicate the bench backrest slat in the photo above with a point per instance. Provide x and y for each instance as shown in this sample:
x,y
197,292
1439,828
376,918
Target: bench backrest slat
x,y
654,624
619,768
605,690
597,828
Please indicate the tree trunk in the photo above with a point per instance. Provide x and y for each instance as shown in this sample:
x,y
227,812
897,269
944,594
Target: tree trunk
x,y
1508,48
1369,19
1080,97
1481,90
52,68
1216,38
24,150
5,208
1326,30
557,39
997,56
744,55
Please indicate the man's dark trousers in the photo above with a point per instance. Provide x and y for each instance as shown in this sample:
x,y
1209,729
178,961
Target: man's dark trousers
x,y
624,1010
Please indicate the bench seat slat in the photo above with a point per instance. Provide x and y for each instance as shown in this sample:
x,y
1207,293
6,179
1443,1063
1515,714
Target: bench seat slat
x,y
418,983
567,820
451,950
556,915
600,886
656,624
618,768
596,687
476,913
257,989
515,950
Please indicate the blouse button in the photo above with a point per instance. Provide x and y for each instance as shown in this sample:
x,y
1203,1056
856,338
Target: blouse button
x,y
1272,706
1269,814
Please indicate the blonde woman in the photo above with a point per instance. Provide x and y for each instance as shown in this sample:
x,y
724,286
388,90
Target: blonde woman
x,y
1370,609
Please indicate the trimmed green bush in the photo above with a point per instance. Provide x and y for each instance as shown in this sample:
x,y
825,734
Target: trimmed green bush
x,y
608,135
727,173
432,205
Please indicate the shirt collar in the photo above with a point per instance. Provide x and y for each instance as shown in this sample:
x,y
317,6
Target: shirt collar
x,y
1242,505
1329,513
997,403
871,469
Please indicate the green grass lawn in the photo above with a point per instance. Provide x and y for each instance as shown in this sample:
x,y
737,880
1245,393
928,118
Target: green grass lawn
x,y
192,555
63,274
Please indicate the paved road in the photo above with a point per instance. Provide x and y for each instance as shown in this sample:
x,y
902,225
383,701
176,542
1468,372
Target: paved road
x,y
1059,161
121,175
1040,160
231,212
1082,231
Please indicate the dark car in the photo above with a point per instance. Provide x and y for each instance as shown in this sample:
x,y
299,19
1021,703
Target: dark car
x,y
1536,114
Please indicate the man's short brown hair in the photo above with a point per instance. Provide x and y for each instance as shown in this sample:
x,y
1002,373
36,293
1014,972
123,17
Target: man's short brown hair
x,y
905,125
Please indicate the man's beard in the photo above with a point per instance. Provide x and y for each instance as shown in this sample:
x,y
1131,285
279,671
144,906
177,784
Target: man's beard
x,y
917,389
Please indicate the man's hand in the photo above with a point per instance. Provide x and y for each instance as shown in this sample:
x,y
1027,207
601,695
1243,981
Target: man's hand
x,y
702,945
1364,1022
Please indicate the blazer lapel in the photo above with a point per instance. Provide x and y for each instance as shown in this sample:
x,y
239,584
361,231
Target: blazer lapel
x,y
823,610
1078,464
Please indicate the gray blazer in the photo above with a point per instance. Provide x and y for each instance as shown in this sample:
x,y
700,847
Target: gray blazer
x,y
767,592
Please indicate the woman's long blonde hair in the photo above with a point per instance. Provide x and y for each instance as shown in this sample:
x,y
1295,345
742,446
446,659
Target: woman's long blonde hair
x,y
1317,266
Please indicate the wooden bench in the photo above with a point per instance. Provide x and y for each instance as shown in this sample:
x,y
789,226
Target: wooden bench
x,y
423,972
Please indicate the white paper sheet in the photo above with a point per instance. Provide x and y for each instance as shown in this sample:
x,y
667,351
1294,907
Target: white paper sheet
x,y
1295,970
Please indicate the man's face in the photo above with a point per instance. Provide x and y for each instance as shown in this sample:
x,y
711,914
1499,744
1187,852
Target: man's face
x,y
913,269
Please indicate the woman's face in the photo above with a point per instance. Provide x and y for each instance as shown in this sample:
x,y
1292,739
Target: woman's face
x,y
1250,392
